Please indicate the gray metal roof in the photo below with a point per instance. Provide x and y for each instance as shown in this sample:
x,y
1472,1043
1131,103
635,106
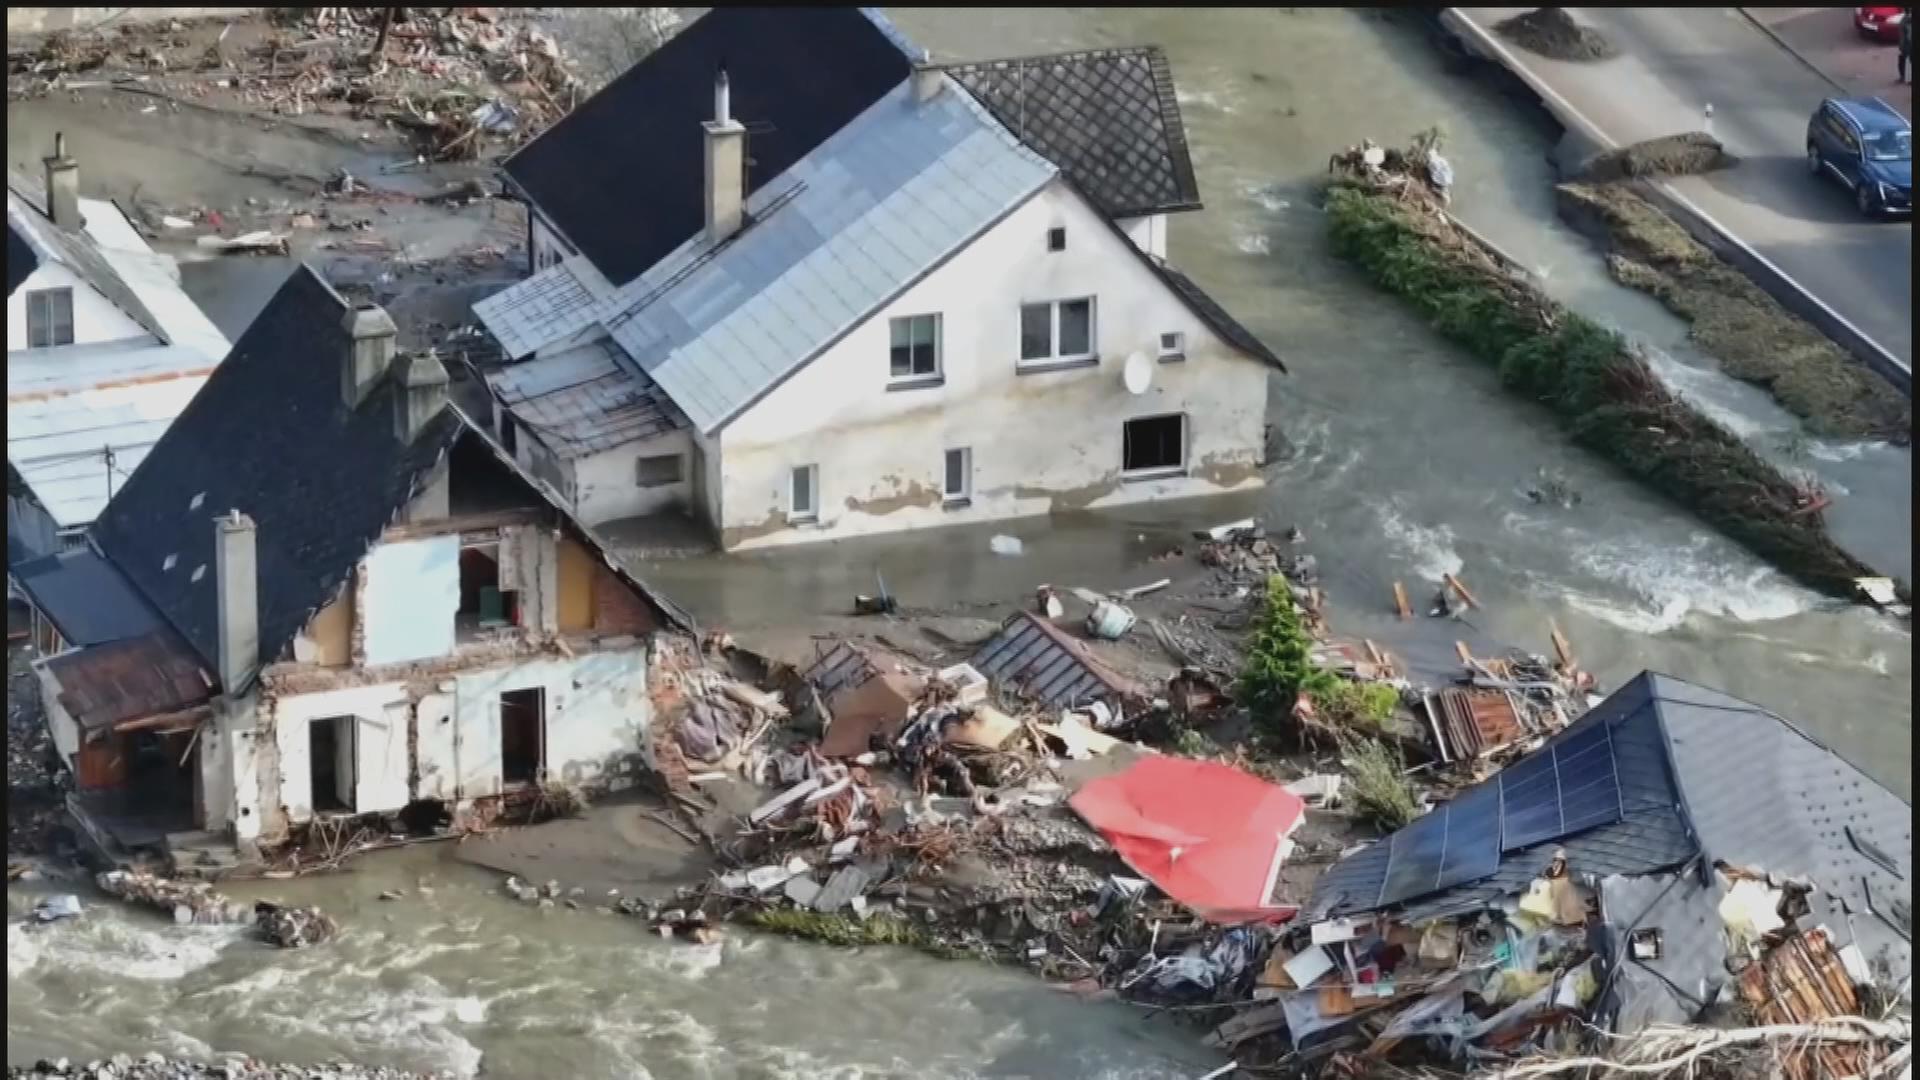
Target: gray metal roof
x,y
888,197
583,400
555,303
1702,775
1037,659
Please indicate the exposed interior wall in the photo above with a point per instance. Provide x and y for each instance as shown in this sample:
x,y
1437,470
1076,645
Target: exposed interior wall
x,y
606,485
328,638
617,609
408,601
95,318
597,712
576,586
1040,441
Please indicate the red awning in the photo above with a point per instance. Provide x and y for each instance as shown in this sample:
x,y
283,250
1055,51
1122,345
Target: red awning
x,y
1210,836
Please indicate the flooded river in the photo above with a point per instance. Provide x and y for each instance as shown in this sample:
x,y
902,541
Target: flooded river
x,y
1409,461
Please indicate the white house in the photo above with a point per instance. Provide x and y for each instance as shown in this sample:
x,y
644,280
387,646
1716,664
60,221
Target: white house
x,y
360,603
104,349
924,318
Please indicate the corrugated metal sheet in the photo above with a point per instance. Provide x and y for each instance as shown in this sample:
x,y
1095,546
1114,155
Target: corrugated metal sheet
x,y
150,675
553,304
67,407
1035,658
884,200
582,400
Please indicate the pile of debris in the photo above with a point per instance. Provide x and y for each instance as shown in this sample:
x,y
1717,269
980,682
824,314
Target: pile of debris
x,y
196,903
156,1066
1417,173
36,785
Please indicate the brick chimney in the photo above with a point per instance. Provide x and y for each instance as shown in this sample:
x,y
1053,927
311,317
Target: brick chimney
x,y
726,195
370,344
927,79
421,381
236,590
63,186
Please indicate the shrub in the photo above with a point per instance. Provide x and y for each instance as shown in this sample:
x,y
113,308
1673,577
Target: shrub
x,y
1376,778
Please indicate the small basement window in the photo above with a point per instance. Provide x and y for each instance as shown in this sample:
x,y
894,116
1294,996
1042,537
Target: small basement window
x,y
483,604
958,484
1173,346
1154,446
49,318
659,470
803,494
1057,239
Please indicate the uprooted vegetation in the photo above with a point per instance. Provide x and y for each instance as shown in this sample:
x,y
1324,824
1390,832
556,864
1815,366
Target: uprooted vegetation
x,y
1686,154
1750,334
1280,676
1610,400
1376,776
1554,34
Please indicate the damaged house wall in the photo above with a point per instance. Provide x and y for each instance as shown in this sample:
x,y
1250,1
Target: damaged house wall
x,y
372,735
1040,440
611,485
408,603
597,715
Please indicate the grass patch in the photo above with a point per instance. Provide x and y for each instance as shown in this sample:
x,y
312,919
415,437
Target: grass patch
x,y
1735,322
1377,783
1687,154
1279,668
847,931
1552,33
1605,394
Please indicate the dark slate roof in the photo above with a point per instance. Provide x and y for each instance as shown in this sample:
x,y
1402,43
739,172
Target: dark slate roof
x,y
269,436
622,175
1108,118
85,598
1230,329
1702,775
21,261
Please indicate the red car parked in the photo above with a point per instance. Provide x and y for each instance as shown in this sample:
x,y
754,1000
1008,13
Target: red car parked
x,y
1879,23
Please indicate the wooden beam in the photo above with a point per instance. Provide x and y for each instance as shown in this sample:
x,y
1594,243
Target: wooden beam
x,y
1460,590
414,530
1466,655
1561,647
1400,602
185,719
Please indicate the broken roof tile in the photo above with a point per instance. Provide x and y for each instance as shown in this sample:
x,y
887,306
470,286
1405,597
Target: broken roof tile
x,y
1039,660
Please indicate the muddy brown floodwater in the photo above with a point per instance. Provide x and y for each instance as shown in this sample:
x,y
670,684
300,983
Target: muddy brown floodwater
x,y
1409,461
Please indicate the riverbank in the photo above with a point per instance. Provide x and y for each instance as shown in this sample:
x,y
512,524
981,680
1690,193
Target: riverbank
x,y
154,1066
1610,401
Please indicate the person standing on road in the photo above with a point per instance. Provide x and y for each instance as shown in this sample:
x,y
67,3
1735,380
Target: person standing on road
x,y
1906,45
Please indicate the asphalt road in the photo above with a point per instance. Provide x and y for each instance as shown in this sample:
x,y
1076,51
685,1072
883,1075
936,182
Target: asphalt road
x,y
1674,62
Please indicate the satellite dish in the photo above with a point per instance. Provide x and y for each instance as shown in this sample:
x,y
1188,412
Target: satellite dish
x,y
1138,373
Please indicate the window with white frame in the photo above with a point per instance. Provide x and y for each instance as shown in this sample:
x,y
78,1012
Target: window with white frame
x,y
1057,331
49,318
1173,345
803,493
915,353
1154,446
958,484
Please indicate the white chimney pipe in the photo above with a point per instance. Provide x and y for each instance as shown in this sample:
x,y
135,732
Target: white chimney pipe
x,y
63,186
722,105
927,79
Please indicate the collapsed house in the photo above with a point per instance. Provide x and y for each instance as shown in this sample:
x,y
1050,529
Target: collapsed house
x,y
787,298
350,602
1672,850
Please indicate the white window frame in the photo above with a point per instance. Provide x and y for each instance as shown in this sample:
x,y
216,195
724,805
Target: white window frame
x,y
1174,349
964,495
1157,471
918,378
1054,356
42,327
811,512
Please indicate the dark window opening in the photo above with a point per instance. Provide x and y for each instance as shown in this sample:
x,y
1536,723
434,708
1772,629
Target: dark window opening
x,y
509,437
330,763
659,470
523,735
1057,239
1155,444
484,605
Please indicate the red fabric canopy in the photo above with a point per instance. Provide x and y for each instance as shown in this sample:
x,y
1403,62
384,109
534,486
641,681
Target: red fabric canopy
x,y
1208,835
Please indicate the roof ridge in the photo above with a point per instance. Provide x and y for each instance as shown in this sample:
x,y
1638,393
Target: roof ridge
x,y
1071,54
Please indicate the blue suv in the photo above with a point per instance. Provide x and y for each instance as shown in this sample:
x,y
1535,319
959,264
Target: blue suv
x,y
1867,146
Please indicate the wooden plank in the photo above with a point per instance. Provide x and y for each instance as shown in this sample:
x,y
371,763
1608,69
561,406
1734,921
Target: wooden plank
x,y
1561,647
1466,655
1400,602
1460,590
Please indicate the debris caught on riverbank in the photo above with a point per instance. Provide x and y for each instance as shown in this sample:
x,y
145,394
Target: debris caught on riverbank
x,y
1686,154
156,1066
1553,33
1602,388
196,903
1732,320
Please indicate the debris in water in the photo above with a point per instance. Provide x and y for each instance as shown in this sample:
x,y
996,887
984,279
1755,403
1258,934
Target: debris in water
x,y
1005,545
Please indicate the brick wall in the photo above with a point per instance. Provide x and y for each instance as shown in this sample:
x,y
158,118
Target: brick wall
x,y
617,608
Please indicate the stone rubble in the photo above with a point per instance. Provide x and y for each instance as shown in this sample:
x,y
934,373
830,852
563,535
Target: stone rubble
x,y
155,1066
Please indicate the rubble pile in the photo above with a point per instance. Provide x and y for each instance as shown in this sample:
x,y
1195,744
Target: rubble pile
x,y
156,1066
35,785
196,903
